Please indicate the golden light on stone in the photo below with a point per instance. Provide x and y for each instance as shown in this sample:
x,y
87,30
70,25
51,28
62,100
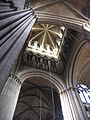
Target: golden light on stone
x,y
46,40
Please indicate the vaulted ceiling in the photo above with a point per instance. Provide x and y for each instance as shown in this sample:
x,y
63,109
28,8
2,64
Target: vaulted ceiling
x,y
38,100
46,40
68,13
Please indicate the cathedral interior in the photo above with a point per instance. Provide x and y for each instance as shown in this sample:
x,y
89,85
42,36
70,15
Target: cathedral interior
x,y
44,59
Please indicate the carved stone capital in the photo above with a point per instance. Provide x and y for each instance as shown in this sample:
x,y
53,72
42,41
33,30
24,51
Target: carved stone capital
x,y
68,89
12,76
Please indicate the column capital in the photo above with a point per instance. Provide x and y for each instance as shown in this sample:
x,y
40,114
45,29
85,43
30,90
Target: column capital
x,y
68,89
13,76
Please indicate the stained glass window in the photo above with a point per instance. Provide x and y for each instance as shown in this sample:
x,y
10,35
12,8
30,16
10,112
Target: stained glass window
x,y
84,93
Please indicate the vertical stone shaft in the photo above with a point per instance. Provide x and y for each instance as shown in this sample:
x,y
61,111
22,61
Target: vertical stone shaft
x,y
72,107
15,27
9,97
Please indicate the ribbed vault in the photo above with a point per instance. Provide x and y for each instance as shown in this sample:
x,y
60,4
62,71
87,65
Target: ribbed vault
x,y
38,100
46,40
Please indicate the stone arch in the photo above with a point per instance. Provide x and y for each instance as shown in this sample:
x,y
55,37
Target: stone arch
x,y
27,73
74,24
57,84
80,49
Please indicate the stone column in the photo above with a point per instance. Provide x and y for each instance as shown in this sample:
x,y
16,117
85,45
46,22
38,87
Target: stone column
x,y
72,106
14,30
9,97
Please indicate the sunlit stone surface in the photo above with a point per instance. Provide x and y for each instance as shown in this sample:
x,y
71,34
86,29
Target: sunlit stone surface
x,y
46,40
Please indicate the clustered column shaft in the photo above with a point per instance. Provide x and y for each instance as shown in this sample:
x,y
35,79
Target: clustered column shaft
x,y
72,106
14,29
9,97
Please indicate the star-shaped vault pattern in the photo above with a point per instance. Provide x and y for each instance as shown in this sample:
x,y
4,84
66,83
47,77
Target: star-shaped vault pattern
x,y
46,40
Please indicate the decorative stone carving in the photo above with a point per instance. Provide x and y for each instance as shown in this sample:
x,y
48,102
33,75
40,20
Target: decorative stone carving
x,y
12,76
